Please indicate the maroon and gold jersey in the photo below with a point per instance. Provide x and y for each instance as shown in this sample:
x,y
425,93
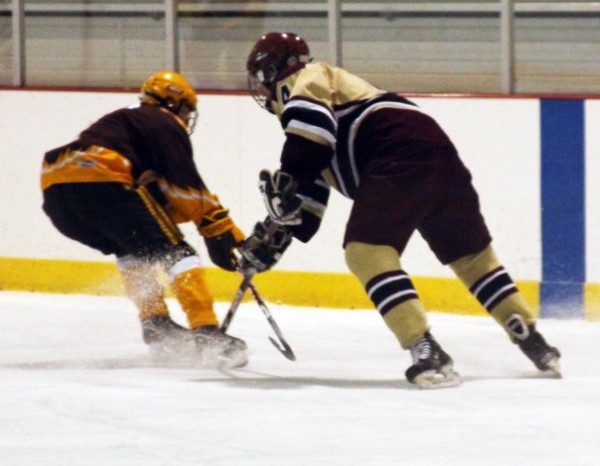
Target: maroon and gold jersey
x,y
322,109
379,149
135,146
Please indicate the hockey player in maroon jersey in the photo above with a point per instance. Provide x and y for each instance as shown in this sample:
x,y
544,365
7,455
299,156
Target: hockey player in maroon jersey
x,y
403,174
122,187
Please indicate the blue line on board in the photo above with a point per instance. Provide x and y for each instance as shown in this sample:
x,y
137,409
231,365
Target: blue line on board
x,y
563,208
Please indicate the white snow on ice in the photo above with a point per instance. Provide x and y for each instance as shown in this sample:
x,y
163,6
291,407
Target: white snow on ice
x,y
78,387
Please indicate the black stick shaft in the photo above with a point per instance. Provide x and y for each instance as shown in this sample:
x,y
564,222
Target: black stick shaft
x,y
283,346
237,299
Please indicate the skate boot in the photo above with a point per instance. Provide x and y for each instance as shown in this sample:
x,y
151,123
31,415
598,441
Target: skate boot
x,y
220,349
533,344
432,367
163,335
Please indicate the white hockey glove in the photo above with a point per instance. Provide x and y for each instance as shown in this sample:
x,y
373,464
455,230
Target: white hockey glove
x,y
265,246
279,194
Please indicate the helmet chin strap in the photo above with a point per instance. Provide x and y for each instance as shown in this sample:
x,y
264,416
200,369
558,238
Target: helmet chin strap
x,y
269,106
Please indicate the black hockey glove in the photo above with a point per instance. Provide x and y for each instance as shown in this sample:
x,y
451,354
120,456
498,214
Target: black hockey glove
x,y
263,249
279,193
221,236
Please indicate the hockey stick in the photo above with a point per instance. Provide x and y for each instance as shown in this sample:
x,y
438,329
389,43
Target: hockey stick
x,y
237,299
282,346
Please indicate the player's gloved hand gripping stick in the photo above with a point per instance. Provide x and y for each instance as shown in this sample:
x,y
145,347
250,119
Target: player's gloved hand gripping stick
x,y
279,194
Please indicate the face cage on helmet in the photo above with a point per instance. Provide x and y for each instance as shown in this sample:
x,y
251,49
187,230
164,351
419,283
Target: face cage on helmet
x,y
257,90
185,111
261,84
189,115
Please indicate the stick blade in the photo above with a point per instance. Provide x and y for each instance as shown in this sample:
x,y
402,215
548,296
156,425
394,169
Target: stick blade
x,y
286,350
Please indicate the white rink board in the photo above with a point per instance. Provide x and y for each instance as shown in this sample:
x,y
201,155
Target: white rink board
x,y
592,181
497,138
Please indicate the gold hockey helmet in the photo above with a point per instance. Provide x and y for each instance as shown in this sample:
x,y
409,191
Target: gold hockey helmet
x,y
172,91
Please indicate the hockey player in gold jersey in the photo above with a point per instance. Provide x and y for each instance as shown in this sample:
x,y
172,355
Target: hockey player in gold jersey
x,y
403,174
122,186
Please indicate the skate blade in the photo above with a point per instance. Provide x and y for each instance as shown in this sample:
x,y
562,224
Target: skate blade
x,y
181,355
215,359
225,364
185,353
170,348
191,359
553,368
445,378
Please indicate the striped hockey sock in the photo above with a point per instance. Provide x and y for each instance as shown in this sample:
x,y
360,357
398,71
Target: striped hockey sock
x,y
493,287
390,289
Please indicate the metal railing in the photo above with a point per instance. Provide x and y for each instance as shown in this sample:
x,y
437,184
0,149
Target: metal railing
x,y
170,10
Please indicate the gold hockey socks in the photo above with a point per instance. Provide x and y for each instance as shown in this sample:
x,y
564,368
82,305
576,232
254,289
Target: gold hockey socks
x,y
493,287
188,282
390,288
396,300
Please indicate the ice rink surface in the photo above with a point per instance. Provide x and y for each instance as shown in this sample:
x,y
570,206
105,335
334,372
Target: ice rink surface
x,y
79,388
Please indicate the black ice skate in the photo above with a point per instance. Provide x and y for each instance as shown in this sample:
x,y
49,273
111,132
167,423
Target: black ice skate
x,y
533,344
218,348
432,367
163,335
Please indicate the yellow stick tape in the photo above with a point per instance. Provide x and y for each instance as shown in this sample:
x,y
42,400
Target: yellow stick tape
x,y
314,289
